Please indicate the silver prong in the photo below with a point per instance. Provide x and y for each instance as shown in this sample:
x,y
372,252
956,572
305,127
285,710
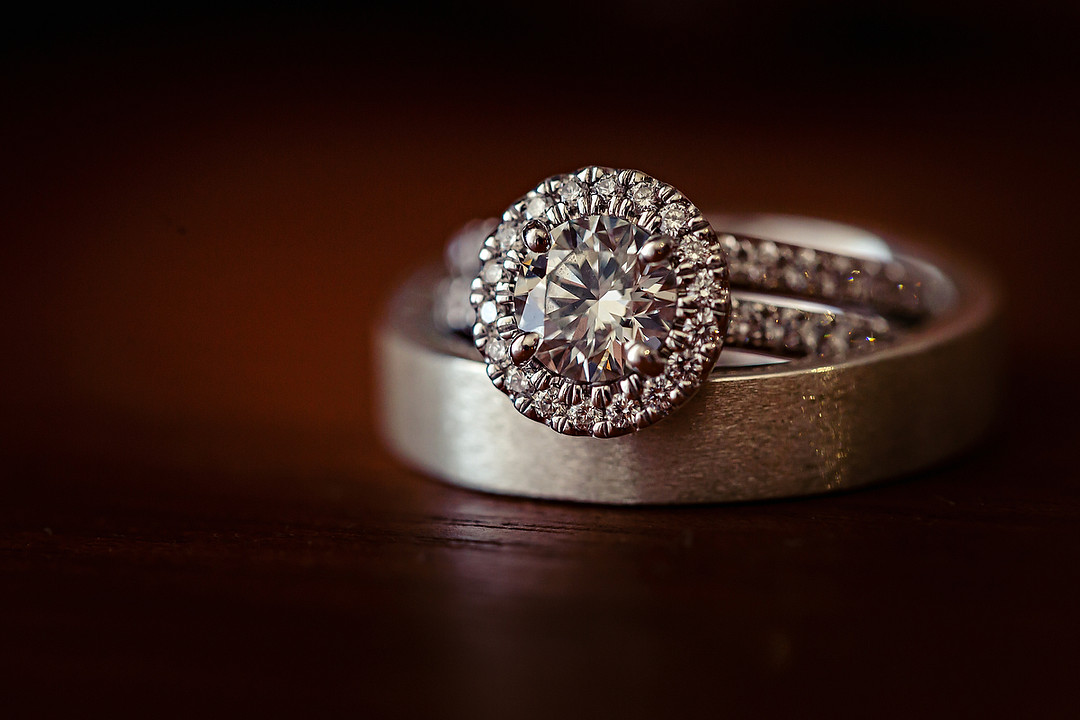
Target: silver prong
x,y
566,393
524,347
644,359
575,395
648,219
631,386
656,250
687,271
505,324
535,236
541,379
641,419
676,340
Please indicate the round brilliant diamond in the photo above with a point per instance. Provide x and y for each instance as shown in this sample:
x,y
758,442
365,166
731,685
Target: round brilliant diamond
x,y
597,299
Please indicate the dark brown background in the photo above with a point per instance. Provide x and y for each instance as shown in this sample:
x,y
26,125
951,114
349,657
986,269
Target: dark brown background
x,y
204,206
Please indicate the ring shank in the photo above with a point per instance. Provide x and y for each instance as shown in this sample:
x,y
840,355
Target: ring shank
x,y
756,433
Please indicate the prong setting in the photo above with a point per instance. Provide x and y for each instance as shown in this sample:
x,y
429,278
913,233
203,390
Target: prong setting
x,y
644,359
536,236
656,250
524,347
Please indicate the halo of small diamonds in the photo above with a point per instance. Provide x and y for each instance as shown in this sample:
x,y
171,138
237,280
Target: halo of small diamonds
x,y
647,275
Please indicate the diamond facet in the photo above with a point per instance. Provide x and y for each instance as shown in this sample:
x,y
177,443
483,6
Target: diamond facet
x,y
536,206
674,218
570,190
516,380
492,272
643,193
489,312
596,299
695,250
507,235
496,350
606,186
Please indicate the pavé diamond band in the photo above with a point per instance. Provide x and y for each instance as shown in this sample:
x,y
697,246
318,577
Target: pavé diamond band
x,y
602,298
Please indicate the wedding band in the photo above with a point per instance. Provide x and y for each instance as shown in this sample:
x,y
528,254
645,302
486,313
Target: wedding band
x,y
860,363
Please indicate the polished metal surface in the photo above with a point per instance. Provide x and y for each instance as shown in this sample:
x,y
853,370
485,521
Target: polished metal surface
x,y
751,433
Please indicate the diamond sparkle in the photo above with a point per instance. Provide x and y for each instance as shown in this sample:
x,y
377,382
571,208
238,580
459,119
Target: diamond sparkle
x,y
584,297
596,299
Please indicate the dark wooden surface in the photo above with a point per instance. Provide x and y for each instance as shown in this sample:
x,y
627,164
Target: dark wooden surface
x,y
198,518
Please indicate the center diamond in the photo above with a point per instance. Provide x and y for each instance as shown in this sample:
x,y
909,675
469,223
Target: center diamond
x,y
596,300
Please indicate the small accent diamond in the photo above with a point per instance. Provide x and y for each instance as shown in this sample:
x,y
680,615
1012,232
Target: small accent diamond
x,y
796,279
619,411
606,186
768,254
507,235
705,288
643,193
583,416
695,249
701,320
536,206
674,218
656,400
542,403
516,380
496,349
570,190
773,331
660,383
492,272
489,312
681,366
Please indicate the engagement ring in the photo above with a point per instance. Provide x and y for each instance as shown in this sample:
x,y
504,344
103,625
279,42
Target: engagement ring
x,y
600,303
603,298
